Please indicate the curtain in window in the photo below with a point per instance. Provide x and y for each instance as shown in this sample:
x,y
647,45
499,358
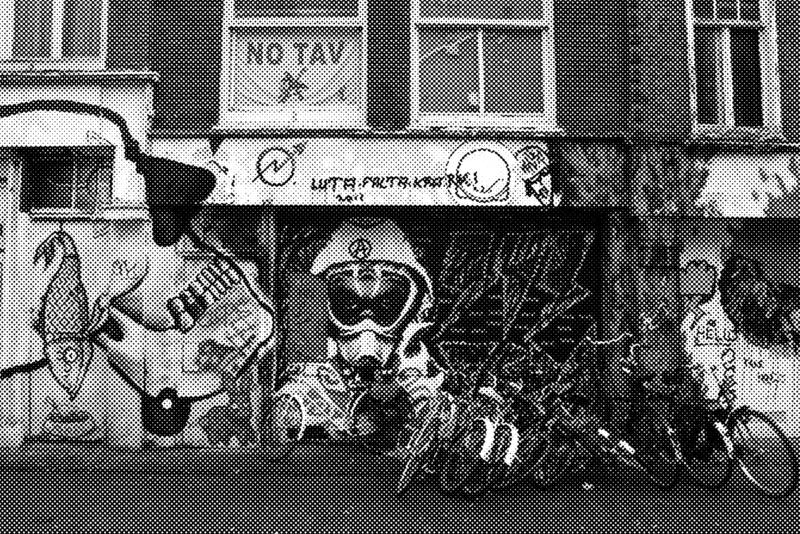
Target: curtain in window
x,y
82,28
33,28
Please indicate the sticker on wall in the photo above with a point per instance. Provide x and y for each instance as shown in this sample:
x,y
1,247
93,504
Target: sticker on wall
x,y
275,166
482,173
533,170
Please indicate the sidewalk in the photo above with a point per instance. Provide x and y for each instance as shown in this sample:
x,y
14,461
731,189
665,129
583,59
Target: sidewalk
x,y
302,459
324,488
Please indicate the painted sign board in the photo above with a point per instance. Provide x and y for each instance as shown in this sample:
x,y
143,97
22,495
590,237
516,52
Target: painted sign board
x,y
346,171
295,69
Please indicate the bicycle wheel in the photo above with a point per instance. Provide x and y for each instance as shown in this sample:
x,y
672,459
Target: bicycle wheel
x,y
472,454
419,447
448,461
706,458
655,452
290,421
763,452
558,457
505,443
531,447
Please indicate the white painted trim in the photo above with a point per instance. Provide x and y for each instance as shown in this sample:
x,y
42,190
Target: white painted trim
x,y
545,121
484,23
724,49
57,30
770,76
6,22
322,22
481,75
295,117
15,320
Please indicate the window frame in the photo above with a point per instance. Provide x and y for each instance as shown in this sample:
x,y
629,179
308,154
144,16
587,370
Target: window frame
x,y
311,117
100,200
55,61
545,121
770,82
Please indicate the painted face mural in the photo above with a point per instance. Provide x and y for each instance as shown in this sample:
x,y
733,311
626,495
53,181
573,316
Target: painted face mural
x,y
375,287
375,293
366,342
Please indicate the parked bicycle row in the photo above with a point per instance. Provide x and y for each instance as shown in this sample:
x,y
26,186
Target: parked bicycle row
x,y
495,435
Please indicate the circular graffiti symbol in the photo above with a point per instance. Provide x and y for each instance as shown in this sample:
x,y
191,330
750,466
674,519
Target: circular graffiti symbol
x,y
360,249
480,173
275,167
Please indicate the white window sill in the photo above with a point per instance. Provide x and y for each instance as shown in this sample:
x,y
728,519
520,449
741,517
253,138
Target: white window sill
x,y
35,76
102,213
480,129
712,133
310,124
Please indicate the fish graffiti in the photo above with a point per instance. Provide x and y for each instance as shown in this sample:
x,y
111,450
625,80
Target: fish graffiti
x,y
63,316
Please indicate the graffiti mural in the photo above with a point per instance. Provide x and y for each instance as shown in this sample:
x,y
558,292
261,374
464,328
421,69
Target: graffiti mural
x,y
740,312
401,309
63,318
183,327
216,318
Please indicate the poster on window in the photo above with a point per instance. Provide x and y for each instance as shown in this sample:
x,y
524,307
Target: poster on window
x,y
295,68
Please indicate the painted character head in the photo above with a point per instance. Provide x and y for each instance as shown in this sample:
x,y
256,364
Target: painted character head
x,y
375,288
534,168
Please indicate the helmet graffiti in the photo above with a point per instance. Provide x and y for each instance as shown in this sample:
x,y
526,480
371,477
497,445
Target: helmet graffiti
x,y
375,287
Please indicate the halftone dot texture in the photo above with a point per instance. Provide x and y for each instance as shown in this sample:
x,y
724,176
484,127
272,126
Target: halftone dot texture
x,y
670,129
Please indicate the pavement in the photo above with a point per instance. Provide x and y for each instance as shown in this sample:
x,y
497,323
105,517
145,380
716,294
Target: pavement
x,y
324,488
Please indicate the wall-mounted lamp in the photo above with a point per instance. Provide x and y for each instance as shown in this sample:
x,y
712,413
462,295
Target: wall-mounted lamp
x,y
172,189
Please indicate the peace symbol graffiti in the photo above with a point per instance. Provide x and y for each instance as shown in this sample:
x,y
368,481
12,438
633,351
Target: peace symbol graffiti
x,y
360,249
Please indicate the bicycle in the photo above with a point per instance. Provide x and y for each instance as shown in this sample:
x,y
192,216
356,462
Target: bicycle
x,y
423,444
572,431
499,445
466,439
745,437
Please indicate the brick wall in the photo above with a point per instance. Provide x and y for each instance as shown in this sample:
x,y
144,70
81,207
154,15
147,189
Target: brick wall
x,y
591,59
659,69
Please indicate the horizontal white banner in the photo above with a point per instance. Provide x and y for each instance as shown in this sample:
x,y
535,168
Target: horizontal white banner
x,y
341,171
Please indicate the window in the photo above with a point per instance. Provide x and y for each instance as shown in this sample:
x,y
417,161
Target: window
x,y
483,62
66,179
734,64
54,33
294,62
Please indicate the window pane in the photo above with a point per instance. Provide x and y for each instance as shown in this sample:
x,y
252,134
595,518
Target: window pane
x,y
704,9
51,170
93,172
296,68
448,71
296,8
726,9
749,10
708,69
513,72
494,9
746,68
33,28
82,21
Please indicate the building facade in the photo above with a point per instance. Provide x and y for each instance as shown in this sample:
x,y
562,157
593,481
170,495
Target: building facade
x,y
524,175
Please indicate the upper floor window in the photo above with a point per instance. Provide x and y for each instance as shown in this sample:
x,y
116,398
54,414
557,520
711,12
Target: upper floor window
x,y
54,33
483,62
294,62
736,82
